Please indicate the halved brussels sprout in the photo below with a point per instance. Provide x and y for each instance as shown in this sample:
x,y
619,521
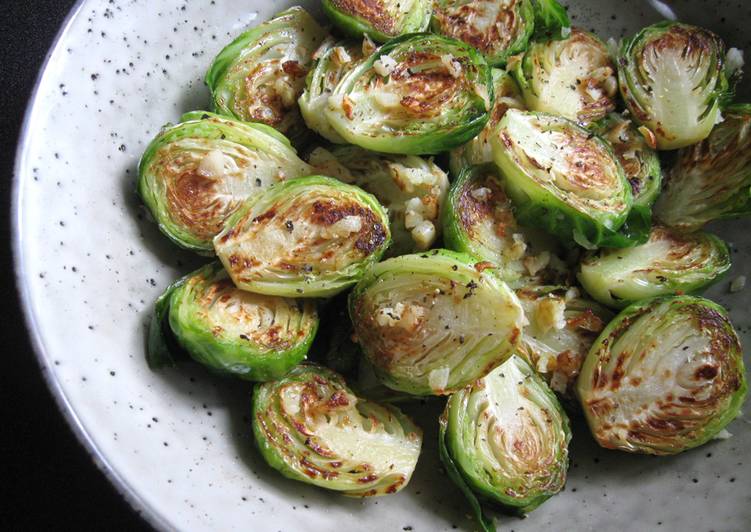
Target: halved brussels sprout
x,y
311,427
261,74
478,150
711,180
275,333
504,440
479,220
665,376
432,323
379,19
417,94
332,61
497,28
195,174
411,188
309,237
562,328
669,263
574,77
671,77
561,177
252,336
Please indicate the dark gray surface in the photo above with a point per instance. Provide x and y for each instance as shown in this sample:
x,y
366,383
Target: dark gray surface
x,y
48,480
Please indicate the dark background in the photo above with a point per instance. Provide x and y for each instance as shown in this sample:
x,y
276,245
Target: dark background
x,y
47,479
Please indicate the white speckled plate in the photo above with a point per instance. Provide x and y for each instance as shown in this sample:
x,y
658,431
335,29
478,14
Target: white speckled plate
x,y
177,444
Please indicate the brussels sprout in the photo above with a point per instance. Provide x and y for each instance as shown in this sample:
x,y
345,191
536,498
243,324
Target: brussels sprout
x,y
574,77
261,74
561,177
669,263
252,336
634,148
432,323
497,28
479,220
671,77
711,180
332,61
478,150
665,376
505,439
309,237
311,427
195,174
379,19
417,94
635,152
411,188
562,327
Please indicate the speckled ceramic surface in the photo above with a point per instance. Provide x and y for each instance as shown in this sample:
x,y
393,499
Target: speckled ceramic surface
x,y
177,444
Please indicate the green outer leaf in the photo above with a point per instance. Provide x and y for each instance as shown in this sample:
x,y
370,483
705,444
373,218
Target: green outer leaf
x,y
296,441
468,351
429,141
634,232
636,95
485,482
537,206
551,20
327,284
160,352
486,523
524,12
263,128
625,282
241,357
355,26
209,126
727,346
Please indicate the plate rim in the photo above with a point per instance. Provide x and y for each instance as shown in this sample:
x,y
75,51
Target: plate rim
x,y
136,501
